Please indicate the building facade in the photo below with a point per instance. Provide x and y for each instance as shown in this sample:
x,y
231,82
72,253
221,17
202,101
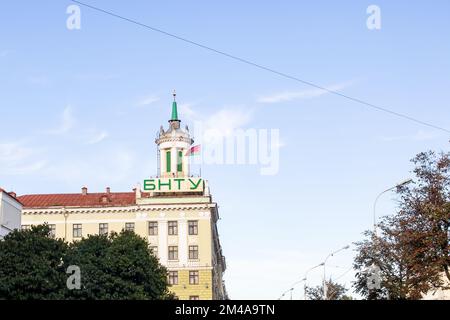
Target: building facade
x,y
10,212
174,211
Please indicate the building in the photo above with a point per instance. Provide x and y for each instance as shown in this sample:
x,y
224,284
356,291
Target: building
x,y
10,212
174,211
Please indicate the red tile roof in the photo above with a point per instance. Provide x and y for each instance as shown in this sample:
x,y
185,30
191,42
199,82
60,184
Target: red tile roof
x,y
78,200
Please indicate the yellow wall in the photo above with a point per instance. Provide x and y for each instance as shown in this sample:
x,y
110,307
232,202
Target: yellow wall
x,y
184,290
116,222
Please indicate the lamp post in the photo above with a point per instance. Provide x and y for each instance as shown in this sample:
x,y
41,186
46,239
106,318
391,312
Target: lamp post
x,y
401,184
324,272
306,276
300,281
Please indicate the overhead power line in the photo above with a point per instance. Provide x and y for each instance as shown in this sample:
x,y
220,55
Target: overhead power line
x,y
248,62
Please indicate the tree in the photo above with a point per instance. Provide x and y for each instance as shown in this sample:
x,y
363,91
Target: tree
x,y
335,291
31,265
411,248
119,266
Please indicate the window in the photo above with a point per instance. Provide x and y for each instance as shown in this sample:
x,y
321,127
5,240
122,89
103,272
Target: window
x,y
193,252
173,253
154,250
77,230
102,228
153,228
193,227
129,226
194,298
26,227
173,277
180,161
193,277
168,164
173,228
52,233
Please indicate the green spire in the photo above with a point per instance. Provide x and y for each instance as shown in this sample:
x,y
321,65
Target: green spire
x,y
174,108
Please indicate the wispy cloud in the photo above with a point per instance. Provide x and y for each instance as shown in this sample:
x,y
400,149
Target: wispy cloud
x,y
67,122
147,100
98,137
302,94
17,159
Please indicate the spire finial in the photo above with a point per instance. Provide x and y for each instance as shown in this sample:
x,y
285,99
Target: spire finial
x,y
174,108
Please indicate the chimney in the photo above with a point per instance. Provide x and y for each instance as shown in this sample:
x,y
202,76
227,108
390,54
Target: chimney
x,y
84,191
108,190
13,194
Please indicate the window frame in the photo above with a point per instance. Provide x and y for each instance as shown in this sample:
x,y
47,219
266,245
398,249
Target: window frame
x,y
153,225
78,227
193,252
127,224
172,228
193,228
194,277
173,278
101,228
168,161
174,251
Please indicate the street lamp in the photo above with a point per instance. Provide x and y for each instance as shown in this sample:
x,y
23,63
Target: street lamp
x,y
300,281
306,276
401,184
324,273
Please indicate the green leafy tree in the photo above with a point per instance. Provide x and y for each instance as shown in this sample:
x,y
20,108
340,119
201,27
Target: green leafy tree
x,y
31,265
411,247
119,266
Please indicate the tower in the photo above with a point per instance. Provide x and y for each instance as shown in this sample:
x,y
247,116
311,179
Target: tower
x,y
173,145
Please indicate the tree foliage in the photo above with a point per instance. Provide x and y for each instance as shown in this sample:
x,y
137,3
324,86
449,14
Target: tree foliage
x,y
117,266
411,247
335,291
31,265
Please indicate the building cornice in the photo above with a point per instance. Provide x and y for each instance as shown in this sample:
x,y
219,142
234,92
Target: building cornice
x,y
124,209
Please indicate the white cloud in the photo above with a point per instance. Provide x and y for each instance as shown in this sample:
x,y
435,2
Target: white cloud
x,y
186,110
148,100
67,122
98,137
110,166
302,94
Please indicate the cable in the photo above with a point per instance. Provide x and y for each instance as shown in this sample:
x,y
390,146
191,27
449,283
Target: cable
x,y
282,74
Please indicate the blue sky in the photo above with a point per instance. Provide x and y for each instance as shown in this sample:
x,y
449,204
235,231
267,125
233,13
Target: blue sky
x,y
82,107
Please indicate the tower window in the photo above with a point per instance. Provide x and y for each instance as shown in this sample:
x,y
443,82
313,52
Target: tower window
x,y
180,161
168,164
